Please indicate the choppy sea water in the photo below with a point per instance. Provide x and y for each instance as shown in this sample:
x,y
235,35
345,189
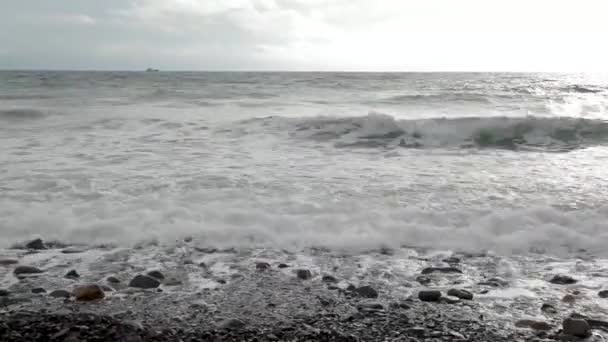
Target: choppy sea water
x,y
275,163
502,162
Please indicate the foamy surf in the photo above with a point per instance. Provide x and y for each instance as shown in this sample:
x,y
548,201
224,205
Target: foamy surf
x,y
380,130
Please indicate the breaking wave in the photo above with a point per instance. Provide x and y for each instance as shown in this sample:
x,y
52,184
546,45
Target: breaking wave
x,y
514,133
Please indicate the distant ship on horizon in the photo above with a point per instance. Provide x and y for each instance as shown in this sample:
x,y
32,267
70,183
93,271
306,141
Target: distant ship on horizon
x,y
152,70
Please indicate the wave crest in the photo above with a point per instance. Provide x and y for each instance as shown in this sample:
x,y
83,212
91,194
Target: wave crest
x,y
515,133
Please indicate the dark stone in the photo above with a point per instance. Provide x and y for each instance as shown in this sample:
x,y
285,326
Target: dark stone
x,y
462,294
423,280
576,327
37,244
232,324
4,293
283,266
429,295
494,282
144,282
156,274
7,262
88,292
370,306
332,287
398,305
59,294
533,324
603,294
366,292
72,274
188,239
26,270
416,331
430,270
569,299
451,260
106,288
561,279
262,266
548,308
221,281
112,280
38,290
304,274
329,279
188,262
72,250
351,287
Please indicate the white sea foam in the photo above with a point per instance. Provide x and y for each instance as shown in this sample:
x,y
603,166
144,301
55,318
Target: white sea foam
x,y
337,225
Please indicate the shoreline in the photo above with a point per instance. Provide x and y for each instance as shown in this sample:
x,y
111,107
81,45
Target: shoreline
x,y
191,293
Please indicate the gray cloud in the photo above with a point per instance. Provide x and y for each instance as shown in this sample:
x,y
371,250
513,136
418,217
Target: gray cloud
x,y
301,34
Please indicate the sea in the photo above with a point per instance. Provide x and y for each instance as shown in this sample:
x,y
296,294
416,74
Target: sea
x,y
370,177
506,162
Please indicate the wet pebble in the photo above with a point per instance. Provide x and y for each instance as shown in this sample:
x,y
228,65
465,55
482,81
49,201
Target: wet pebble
x,y
156,274
304,274
329,279
283,266
460,293
36,244
7,262
26,270
576,327
366,291
72,250
59,294
4,293
262,266
38,290
88,292
430,270
562,279
144,282
232,324
429,295
533,324
112,280
72,274
603,294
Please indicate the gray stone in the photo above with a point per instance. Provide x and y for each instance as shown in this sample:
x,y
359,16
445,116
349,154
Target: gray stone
x,y
7,262
329,279
283,266
112,280
72,250
548,308
26,270
430,270
462,294
451,260
603,294
366,292
304,274
262,266
72,274
533,324
561,279
156,274
35,244
59,294
429,295
576,327
4,293
232,324
144,282
38,290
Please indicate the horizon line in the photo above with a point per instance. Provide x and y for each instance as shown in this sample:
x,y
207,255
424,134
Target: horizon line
x,y
302,71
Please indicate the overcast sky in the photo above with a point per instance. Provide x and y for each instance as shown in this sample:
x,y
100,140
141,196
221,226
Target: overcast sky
x,y
566,35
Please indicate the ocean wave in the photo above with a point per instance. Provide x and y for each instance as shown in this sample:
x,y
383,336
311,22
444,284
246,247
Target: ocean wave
x,y
514,133
21,114
343,225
